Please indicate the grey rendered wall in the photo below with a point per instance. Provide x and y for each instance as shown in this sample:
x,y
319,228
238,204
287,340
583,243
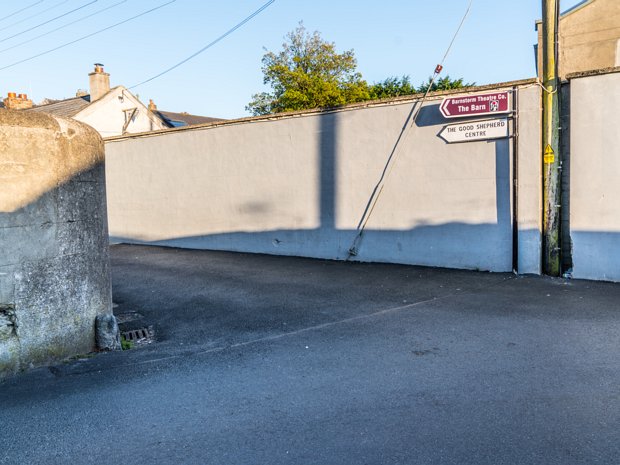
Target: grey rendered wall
x,y
529,181
299,184
54,272
595,176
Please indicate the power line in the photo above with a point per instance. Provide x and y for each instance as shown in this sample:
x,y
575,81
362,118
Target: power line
x,y
63,26
209,45
387,169
87,36
48,21
458,29
23,9
34,15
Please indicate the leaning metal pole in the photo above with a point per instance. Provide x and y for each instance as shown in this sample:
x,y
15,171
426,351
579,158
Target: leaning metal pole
x,y
550,140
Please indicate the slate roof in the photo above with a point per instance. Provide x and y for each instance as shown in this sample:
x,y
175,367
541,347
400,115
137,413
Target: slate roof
x,y
67,108
170,117
70,107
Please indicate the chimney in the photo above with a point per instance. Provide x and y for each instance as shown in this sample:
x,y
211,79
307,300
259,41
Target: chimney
x,y
152,106
99,83
17,102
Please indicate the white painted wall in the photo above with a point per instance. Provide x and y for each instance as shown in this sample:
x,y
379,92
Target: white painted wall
x,y
298,185
107,115
595,176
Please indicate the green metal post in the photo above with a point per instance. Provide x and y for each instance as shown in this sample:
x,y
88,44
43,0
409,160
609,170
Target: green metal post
x,y
551,140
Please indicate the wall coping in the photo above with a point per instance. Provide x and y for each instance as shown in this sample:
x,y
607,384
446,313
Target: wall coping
x,y
353,106
593,72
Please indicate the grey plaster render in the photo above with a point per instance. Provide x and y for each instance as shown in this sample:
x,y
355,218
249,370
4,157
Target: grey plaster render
x,y
54,270
300,184
594,174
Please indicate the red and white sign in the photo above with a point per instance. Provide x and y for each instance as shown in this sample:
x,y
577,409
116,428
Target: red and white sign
x,y
474,105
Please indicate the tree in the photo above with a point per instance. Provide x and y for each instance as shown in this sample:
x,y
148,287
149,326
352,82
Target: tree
x,y
396,87
392,87
308,73
444,84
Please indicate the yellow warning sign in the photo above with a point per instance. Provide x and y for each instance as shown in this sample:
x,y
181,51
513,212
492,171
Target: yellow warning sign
x,y
549,154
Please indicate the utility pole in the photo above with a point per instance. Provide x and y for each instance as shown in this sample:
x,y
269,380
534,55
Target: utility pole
x,y
551,140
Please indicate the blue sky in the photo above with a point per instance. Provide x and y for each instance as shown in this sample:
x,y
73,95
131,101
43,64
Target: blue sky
x,y
390,38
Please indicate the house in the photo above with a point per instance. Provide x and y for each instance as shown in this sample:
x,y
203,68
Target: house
x,y
111,111
589,37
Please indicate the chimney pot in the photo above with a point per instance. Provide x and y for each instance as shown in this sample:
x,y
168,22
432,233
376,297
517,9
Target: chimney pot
x,y
152,106
17,102
99,83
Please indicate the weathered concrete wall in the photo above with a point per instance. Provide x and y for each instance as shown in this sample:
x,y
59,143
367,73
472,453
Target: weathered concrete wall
x,y
299,184
595,175
54,272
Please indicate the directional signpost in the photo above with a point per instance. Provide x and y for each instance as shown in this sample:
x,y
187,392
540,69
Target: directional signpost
x,y
475,130
475,105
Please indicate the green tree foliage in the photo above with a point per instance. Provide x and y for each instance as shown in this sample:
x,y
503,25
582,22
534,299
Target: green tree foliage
x,y
392,87
308,73
396,87
444,84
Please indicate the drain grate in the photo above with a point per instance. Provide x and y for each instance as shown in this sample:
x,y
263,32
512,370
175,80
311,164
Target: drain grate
x,y
140,336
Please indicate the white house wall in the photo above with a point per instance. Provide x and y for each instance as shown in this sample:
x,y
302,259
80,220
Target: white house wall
x,y
107,115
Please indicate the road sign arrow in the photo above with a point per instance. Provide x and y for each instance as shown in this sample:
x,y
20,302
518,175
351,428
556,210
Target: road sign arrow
x,y
444,108
475,105
475,130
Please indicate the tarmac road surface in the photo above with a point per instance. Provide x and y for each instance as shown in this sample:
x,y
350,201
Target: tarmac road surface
x,y
278,360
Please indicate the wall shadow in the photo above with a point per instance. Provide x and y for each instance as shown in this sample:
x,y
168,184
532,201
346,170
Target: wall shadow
x,y
327,170
451,245
54,272
485,246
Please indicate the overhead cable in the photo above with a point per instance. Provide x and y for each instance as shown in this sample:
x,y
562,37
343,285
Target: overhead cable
x,y
405,131
34,15
209,45
49,21
63,26
87,36
23,9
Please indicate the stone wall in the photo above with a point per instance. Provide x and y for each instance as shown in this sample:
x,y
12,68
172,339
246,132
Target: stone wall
x,y
54,266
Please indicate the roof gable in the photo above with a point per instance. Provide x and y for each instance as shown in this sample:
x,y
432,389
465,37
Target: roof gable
x,y
82,106
122,92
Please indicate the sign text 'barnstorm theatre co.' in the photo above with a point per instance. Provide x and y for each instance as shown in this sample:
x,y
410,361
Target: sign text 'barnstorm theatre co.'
x,y
475,105
476,130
